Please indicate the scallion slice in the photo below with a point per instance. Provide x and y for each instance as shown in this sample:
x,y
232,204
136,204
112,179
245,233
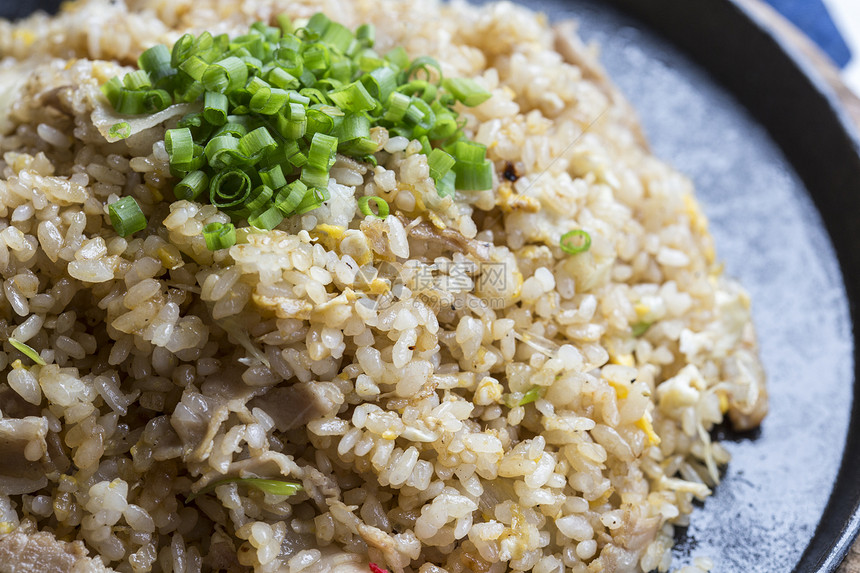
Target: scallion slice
x,y
126,216
440,164
215,107
270,486
382,208
268,219
191,186
120,130
219,236
179,145
474,176
531,396
467,91
229,189
226,75
27,351
640,328
575,242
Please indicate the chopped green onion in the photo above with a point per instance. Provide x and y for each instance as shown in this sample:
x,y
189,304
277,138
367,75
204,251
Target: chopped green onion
x,y
313,177
640,328
259,199
137,80
353,97
474,176
470,152
440,164
312,199
338,36
215,108
366,35
318,23
467,91
278,103
130,102
398,57
111,90
380,82
191,186
382,209
531,396
289,198
126,216
219,236
257,143
179,145
424,64
322,153
268,219
397,105
225,75
285,23
273,177
268,101
229,189
575,242
156,62
446,186
156,100
120,130
27,351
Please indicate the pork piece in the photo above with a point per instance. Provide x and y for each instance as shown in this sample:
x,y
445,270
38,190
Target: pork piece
x,y
14,406
294,406
448,240
41,552
335,561
199,415
196,420
22,450
222,554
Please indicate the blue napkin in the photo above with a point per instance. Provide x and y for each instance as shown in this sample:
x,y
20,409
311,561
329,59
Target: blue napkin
x,y
812,17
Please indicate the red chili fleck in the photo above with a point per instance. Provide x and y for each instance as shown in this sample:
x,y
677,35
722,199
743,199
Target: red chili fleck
x,y
374,568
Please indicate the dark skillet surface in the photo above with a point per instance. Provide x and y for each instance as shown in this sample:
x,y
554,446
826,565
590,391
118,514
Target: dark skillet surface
x,y
765,514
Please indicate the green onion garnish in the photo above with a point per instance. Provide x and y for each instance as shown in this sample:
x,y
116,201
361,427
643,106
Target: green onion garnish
x,y
640,328
575,242
440,164
27,351
120,130
279,103
270,486
268,219
191,186
126,216
382,209
219,236
473,171
466,91
532,395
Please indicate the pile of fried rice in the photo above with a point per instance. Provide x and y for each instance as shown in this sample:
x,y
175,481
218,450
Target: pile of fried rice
x,y
383,364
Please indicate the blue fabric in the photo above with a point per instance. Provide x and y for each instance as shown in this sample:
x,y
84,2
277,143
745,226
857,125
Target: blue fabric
x,y
812,17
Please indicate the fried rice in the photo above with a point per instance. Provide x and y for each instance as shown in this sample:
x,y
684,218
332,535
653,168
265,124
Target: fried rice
x,y
383,364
